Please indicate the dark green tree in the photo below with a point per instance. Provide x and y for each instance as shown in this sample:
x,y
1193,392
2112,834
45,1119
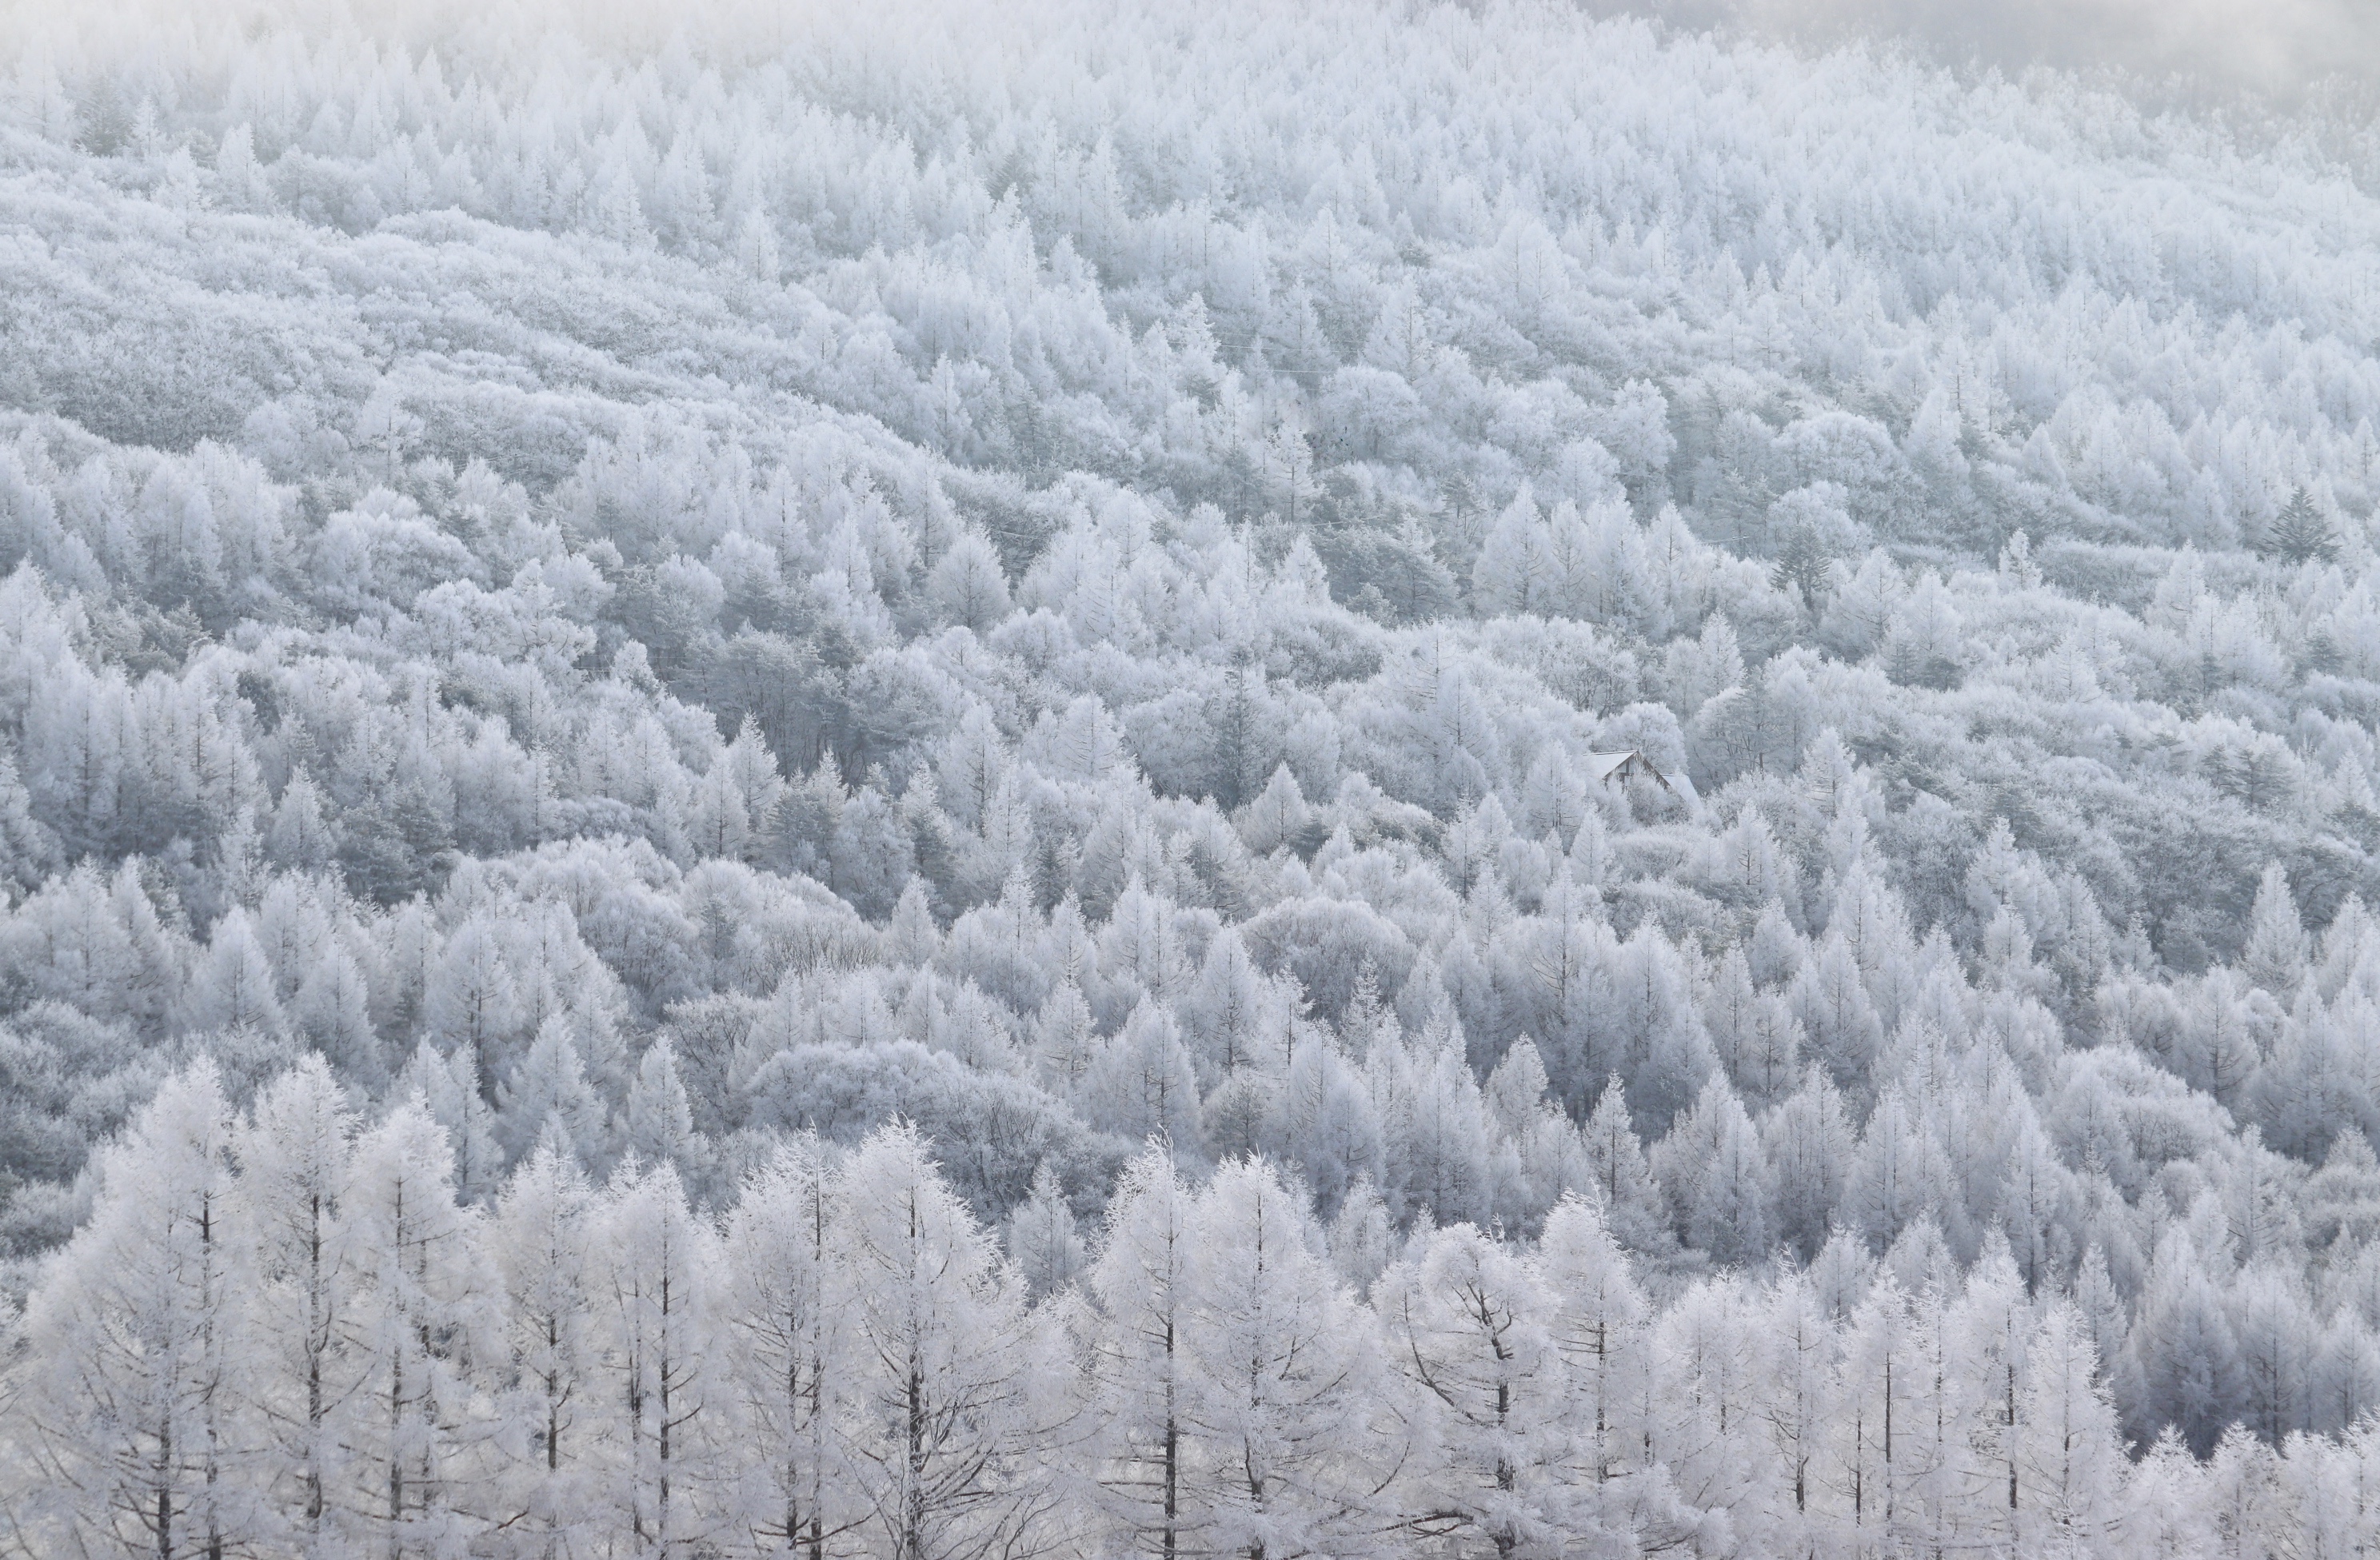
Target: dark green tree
x,y
1804,563
2300,532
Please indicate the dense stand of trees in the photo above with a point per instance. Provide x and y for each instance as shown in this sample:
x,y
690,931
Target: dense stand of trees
x,y
279,1334
663,698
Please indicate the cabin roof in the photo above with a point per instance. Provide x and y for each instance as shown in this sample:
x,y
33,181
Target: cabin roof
x,y
1629,763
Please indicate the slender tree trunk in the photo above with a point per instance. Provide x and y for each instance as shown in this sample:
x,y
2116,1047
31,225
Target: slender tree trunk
x,y
214,1446
1888,1502
912,1503
396,1453
165,1488
2012,1444
793,1461
317,1325
396,1414
661,1515
637,1432
1256,1494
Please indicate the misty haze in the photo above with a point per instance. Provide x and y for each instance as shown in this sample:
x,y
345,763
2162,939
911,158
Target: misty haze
x,y
2221,51
1088,780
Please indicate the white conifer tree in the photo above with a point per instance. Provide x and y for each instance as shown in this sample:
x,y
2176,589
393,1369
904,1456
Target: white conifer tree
x,y
548,1091
657,1279
417,1324
1469,1325
658,1123
1140,1287
541,1238
942,1427
2069,1456
294,1157
782,1306
129,1426
1040,1237
1596,1324
1285,1392
2274,956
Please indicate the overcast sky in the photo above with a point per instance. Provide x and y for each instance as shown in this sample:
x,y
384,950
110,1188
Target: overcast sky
x,y
2269,45
2272,47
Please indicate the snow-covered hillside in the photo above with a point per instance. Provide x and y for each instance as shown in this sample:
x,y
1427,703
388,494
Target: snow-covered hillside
x,y
820,785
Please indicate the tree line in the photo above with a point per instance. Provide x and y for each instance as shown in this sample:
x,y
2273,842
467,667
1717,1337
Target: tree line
x,y
280,1333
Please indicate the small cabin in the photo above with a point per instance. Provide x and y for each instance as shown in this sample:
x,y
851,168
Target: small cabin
x,y
1619,768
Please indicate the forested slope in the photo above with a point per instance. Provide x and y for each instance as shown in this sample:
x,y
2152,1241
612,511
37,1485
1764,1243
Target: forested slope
x,y
646,633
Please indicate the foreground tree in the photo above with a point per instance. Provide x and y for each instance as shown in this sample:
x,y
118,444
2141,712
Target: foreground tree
x,y
294,1157
782,1311
1469,1335
1140,1286
131,1426
541,1238
658,1275
1285,1380
418,1322
947,1425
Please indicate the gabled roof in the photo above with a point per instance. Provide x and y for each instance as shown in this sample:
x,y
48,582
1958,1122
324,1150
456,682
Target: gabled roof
x,y
1632,763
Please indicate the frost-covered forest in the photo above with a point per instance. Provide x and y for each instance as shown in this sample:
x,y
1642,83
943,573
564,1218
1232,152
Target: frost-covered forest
x,y
824,785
